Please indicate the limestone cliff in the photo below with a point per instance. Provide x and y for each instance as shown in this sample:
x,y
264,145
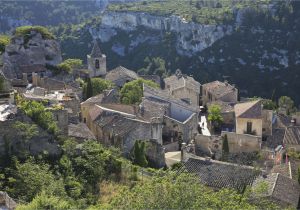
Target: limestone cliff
x,y
191,37
30,50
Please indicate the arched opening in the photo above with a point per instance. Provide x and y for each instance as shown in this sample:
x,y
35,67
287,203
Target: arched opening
x,y
97,64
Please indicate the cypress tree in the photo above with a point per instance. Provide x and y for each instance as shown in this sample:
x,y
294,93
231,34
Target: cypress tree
x,y
139,154
89,88
225,148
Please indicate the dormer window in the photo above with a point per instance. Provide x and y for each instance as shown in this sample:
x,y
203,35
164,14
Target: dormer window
x,y
97,64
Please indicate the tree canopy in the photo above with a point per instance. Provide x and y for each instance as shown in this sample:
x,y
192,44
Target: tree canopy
x,y
132,92
4,41
25,31
96,86
214,114
69,64
286,103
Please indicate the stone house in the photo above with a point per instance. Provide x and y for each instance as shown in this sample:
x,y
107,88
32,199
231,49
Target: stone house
x,y
217,90
180,120
119,125
282,190
120,76
96,62
249,118
183,87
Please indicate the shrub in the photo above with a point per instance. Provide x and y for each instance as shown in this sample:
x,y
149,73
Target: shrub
x,y
25,31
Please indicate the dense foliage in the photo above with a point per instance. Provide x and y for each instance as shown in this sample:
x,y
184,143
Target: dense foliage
x,y
68,65
183,192
4,41
26,30
139,155
39,114
132,92
95,86
214,115
207,12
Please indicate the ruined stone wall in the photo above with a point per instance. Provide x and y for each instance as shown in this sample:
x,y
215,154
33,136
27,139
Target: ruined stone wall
x,y
242,142
155,154
61,117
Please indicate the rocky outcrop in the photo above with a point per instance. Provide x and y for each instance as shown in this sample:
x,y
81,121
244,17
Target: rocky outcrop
x,y
30,50
191,37
11,141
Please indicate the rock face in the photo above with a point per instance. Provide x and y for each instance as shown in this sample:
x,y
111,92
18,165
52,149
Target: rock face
x,y
27,51
191,37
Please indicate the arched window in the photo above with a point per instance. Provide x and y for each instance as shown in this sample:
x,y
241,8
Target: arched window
x,y
97,64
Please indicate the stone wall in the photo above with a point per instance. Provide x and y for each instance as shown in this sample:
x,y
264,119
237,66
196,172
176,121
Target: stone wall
x,y
242,142
10,140
61,117
155,154
208,145
171,147
185,93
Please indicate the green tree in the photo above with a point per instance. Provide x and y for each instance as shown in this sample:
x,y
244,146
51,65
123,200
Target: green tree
x,y
298,175
286,103
26,131
38,113
132,92
96,86
269,104
28,179
46,201
26,30
214,115
4,41
139,156
69,64
156,66
182,192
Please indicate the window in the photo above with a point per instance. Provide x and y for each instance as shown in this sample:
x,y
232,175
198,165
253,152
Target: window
x,y
97,64
249,127
84,120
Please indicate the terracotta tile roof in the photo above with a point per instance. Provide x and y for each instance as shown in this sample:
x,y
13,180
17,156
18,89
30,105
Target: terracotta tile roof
x,y
218,88
292,135
282,189
178,81
218,174
252,109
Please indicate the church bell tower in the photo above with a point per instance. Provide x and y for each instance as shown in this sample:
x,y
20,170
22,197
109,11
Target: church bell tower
x,y
96,62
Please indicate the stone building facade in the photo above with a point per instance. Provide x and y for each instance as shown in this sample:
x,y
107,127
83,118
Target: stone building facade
x,y
217,90
183,87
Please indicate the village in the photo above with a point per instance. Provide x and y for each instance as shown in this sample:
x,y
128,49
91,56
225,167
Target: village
x,y
226,140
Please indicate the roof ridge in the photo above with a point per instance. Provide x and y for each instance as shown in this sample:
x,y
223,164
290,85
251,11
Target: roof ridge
x,y
275,183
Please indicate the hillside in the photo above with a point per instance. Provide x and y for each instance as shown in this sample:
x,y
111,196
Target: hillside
x,y
256,48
